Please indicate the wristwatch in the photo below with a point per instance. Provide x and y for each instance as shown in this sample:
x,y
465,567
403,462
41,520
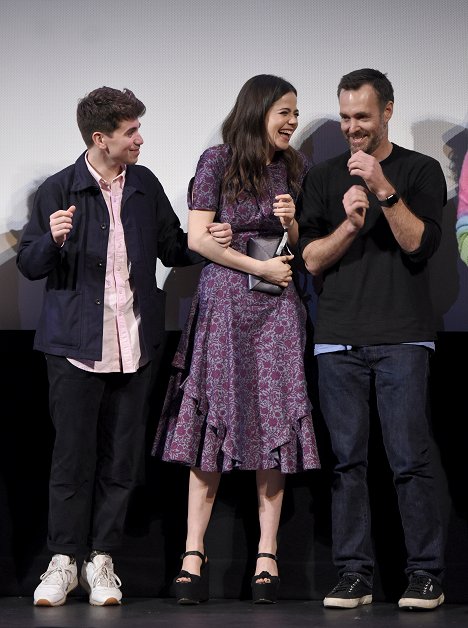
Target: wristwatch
x,y
389,201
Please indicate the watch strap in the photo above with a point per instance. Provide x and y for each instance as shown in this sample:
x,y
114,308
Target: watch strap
x,y
389,201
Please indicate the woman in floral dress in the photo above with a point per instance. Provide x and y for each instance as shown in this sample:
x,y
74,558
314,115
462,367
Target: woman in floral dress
x,y
238,399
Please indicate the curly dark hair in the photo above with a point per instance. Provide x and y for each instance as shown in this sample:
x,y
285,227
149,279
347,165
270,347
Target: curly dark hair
x,y
103,110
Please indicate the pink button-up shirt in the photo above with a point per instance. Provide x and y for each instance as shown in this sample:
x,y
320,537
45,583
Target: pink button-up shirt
x,y
121,349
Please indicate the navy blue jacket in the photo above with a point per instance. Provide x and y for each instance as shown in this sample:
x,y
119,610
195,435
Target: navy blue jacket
x,y
71,320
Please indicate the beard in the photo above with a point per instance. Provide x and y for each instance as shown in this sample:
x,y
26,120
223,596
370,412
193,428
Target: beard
x,y
371,140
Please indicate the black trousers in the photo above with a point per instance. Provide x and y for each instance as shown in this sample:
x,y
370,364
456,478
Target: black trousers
x,y
100,421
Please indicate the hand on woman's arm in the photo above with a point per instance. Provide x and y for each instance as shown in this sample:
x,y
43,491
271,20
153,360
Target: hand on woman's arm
x,y
221,232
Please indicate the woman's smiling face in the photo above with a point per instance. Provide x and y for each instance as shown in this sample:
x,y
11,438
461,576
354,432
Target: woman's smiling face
x,y
281,122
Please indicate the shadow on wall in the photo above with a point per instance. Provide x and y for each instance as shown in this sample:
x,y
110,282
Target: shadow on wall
x,y
21,299
9,311
322,140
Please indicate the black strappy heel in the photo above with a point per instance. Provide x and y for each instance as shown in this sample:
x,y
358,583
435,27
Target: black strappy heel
x,y
195,590
265,592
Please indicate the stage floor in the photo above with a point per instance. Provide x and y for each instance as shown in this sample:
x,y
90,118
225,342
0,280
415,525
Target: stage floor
x,y
18,612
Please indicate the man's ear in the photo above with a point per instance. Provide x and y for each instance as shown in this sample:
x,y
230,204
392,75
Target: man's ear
x,y
99,139
388,111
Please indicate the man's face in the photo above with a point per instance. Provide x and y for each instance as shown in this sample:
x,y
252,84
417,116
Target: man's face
x,y
363,123
123,145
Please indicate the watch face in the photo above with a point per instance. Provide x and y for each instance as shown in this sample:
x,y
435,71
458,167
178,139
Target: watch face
x,y
390,200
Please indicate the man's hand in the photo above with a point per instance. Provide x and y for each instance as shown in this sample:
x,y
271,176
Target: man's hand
x,y
355,203
368,168
221,232
61,224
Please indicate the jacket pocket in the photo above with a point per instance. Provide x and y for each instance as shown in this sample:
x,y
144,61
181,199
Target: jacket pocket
x,y
60,320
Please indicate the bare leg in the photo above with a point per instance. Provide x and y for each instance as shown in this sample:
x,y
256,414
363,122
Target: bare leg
x,y
270,490
202,492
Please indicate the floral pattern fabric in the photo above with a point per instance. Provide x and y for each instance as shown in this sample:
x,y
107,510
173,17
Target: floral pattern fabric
x,y
237,398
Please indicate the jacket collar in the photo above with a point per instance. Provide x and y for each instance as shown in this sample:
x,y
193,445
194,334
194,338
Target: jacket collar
x,y
83,179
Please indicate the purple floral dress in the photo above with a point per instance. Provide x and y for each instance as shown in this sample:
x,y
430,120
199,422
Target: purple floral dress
x,y
238,398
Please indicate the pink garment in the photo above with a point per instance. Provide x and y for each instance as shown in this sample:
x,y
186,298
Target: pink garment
x,y
121,351
461,226
463,190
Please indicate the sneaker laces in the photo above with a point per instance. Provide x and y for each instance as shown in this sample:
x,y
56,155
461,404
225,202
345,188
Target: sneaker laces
x,y
419,583
56,574
104,576
346,583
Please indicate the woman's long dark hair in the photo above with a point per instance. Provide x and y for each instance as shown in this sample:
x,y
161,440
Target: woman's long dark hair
x,y
245,131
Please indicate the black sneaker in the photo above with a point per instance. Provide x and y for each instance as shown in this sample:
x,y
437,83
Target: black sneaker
x,y
350,592
423,593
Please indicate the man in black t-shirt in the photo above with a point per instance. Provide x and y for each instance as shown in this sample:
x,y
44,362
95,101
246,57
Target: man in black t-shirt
x,y
369,221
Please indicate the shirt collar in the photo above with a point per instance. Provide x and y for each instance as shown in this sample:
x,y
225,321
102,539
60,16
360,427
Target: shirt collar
x,y
102,182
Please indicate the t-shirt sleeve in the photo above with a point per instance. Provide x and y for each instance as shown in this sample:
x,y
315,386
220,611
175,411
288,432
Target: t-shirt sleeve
x,y
427,196
310,209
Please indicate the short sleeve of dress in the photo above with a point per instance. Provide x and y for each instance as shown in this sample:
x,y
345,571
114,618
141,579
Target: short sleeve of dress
x,y
205,188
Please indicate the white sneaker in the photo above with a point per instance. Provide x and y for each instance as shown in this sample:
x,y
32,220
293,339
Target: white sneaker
x,y
59,579
100,581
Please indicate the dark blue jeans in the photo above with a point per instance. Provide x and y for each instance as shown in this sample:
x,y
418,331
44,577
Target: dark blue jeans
x,y
100,422
400,375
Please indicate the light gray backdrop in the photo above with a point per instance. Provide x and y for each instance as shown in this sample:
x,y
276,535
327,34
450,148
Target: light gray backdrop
x,y
187,61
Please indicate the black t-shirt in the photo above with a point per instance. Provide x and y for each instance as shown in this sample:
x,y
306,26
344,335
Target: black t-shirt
x,y
376,293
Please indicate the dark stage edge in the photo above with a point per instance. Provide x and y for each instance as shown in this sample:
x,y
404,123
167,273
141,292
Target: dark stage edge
x,y
18,612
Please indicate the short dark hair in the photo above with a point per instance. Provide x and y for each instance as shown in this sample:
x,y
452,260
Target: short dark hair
x,y
367,76
103,110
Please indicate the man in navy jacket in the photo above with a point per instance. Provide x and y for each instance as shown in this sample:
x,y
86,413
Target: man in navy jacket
x,y
96,231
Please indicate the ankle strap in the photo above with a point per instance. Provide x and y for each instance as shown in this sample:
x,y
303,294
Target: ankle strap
x,y
266,555
194,553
